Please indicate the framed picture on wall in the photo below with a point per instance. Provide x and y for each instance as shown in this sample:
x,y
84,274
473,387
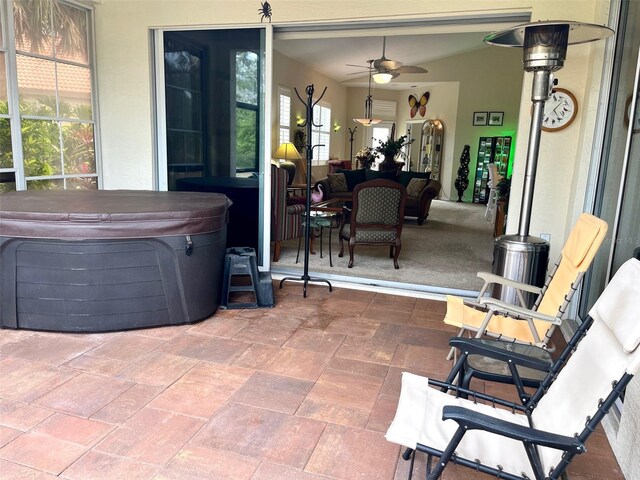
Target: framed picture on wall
x,y
495,118
479,118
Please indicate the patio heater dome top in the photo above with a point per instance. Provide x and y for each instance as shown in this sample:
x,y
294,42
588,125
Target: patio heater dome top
x,y
578,32
544,44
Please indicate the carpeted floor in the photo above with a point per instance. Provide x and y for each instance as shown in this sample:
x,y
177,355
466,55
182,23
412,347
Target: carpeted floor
x,y
446,251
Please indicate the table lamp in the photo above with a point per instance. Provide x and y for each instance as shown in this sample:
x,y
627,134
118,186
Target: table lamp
x,y
290,159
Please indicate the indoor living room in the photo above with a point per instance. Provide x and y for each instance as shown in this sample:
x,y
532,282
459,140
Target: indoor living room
x,y
461,68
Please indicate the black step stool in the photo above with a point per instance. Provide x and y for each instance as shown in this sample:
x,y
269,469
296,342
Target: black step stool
x,y
241,262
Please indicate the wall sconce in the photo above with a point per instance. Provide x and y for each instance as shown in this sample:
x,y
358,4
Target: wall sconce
x,y
299,121
336,127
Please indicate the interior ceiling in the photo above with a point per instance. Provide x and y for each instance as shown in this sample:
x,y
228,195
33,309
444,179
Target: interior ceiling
x,y
330,56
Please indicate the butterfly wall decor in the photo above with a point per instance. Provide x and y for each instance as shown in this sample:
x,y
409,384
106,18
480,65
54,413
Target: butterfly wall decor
x,y
418,105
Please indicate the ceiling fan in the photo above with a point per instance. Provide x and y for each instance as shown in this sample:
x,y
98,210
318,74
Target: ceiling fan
x,y
384,69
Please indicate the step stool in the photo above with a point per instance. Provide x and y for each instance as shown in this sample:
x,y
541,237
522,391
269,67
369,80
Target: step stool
x,y
241,262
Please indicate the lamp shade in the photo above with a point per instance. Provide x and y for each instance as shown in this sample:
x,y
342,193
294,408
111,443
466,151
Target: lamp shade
x,y
287,151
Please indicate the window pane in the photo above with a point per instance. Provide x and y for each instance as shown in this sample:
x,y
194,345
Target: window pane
x,y
82,183
36,86
70,31
315,140
184,109
182,69
57,184
6,187
41,147
6,153
79,151
3,77
284,136
247,77
74,91
32,24
246,139
192,148
285,110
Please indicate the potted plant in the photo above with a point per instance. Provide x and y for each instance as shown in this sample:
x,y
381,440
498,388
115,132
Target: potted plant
x,y
389,149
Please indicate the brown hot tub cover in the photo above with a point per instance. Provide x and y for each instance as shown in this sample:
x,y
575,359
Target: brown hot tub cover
x,y
83,214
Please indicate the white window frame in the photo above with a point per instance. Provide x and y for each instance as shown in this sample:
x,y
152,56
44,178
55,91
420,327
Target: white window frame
x,y
284,115
15,118
321,133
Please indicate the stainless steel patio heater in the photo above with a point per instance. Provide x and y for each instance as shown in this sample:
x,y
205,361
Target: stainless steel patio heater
x,y
523,257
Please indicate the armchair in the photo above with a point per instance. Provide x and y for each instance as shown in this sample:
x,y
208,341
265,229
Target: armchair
x,y
377,217
286,220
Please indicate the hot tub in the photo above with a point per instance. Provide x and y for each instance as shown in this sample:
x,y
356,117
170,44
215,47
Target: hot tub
x,y
94,261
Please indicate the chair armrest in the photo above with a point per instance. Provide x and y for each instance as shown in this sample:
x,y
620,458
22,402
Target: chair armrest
x,y
499,306
493,278
326,187
472,420
431,190
474,347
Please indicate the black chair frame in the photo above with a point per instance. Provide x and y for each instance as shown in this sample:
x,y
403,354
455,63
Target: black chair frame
x,y
530,437
468,347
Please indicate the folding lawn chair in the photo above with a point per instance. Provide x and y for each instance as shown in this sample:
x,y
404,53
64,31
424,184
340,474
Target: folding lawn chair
x,y
509,362
535,326
537,440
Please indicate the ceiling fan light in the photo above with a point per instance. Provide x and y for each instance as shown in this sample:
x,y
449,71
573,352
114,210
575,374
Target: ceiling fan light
x,y
382,77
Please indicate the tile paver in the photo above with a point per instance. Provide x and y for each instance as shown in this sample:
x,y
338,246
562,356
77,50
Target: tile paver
x,y
303,391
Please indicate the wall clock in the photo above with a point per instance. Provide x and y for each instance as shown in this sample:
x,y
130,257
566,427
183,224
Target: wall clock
x,y
560,110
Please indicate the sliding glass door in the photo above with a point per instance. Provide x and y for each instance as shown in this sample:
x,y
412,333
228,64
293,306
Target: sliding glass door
x,y
210,111
617,195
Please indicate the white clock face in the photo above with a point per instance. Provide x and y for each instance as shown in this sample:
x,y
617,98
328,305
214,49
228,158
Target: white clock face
x,y
559,111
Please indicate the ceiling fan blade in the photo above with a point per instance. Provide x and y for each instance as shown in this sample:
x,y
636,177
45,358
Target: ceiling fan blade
x,y
386,64
361,72
359,66
410,69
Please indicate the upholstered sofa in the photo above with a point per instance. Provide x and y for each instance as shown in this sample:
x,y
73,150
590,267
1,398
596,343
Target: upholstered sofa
x,y
420,192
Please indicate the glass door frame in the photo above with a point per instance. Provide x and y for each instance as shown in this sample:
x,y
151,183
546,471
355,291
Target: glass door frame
x,y
160,176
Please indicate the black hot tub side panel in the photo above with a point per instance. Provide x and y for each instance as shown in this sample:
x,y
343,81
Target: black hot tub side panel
x,y
105,285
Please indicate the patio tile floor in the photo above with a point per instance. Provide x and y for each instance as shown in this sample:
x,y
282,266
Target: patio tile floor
x,y
304,391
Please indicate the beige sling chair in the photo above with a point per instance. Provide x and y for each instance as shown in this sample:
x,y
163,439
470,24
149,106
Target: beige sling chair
x,y
539,439
508,322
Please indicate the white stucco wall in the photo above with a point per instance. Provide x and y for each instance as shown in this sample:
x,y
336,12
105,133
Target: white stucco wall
x,y
124,83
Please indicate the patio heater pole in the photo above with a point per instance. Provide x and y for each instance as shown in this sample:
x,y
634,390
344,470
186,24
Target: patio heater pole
x,y
523,257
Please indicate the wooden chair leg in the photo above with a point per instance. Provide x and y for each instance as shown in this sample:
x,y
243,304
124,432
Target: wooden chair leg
x,y
341,253
395,257
276,251
351,248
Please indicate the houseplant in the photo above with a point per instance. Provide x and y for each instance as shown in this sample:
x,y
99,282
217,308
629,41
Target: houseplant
x,y
389,149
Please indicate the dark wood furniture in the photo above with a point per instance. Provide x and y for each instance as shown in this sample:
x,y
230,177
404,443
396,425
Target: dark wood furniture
x,y
376,218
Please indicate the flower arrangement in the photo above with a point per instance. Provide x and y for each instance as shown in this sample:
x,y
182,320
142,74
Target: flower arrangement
x,y
365,157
